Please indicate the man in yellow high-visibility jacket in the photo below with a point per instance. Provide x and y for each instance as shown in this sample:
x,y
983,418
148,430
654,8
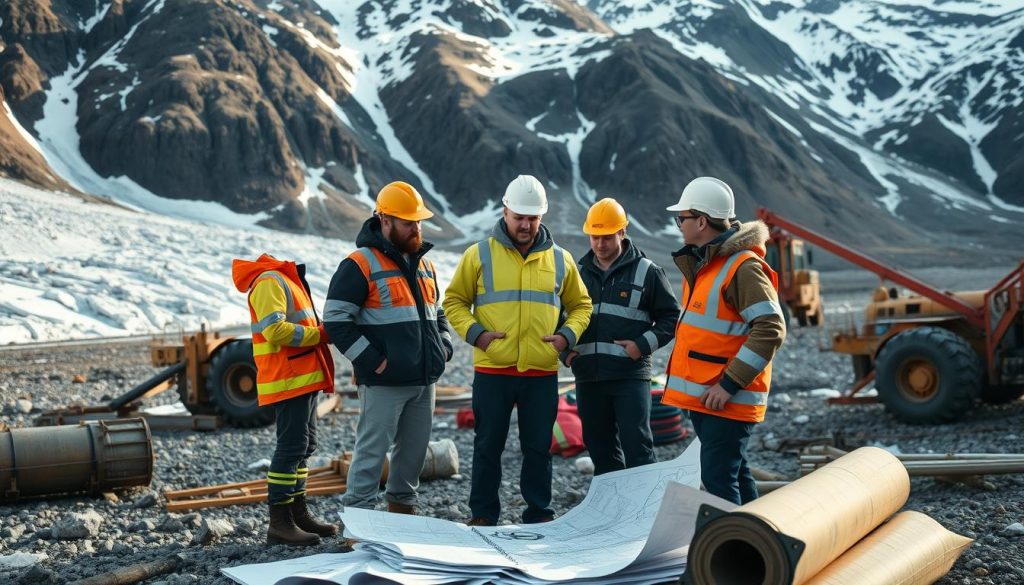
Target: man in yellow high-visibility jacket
x,y
508,298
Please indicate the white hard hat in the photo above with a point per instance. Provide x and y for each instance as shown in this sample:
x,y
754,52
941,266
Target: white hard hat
x,y
707,195
526,196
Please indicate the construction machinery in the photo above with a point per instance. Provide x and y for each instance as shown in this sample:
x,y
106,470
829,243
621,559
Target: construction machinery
x,y
215,377
799,286
933,353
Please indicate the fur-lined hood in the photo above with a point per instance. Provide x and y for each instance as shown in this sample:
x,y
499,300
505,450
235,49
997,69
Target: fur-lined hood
x,y
751,235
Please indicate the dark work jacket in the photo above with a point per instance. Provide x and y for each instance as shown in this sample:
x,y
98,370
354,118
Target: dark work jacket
x,y
650,323
416,350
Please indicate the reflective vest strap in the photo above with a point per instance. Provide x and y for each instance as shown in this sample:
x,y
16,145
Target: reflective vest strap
x,y
601,347
559,269
486,264
490,295
280,278
374,273
622,311
722,279
639,277
744,397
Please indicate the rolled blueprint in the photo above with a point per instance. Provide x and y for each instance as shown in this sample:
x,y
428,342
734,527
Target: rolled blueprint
x,y
910,549
789,535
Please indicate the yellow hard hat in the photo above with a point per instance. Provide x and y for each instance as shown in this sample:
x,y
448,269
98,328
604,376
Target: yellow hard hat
x,y
605,218
401,200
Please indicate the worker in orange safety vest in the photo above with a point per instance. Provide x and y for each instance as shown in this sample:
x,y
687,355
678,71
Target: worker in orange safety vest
x,y
730,328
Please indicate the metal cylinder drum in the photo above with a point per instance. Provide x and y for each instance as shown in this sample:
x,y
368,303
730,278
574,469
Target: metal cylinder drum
x,y
91,457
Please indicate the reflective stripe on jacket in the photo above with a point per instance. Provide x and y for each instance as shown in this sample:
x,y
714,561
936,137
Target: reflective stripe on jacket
x,y
633,300
381,306
291,359
495,288
710,334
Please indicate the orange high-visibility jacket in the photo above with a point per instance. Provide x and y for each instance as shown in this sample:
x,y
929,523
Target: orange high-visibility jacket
x,y
288,341
709,335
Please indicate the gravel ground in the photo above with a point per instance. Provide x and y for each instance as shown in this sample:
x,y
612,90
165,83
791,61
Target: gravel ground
x,y
77,537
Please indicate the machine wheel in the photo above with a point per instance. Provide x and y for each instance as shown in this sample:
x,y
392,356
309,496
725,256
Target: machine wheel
x,y
1001,394
928,375
786,314
231,386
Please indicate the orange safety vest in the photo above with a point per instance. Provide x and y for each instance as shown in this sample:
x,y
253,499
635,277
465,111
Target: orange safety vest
x,y
283,371
709,334
389,299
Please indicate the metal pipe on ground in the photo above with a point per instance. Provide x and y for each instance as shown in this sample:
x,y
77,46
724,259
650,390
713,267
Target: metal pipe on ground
x,y
92,457
141,389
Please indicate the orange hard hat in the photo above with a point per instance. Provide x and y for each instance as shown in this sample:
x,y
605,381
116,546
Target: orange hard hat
x,y
605,218
401,200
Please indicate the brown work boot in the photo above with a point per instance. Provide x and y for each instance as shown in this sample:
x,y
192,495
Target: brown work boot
x,y
481,521
307,522
282,529
397,508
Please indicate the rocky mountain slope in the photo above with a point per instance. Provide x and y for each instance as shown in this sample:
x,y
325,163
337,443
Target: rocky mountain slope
x,y
872,120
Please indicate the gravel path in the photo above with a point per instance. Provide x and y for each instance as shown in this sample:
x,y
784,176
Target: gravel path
x,y
76,537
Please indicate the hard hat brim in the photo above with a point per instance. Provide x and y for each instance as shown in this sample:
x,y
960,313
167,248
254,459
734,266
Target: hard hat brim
x,y
677,207
419,215
528,209
592,231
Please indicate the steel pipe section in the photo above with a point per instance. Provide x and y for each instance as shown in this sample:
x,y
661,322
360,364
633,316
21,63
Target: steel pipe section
x,y
91,457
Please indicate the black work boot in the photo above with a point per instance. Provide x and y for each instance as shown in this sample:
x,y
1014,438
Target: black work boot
x,y
282,529
307,522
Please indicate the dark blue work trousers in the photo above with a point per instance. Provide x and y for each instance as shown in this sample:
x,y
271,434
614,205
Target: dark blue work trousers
x,y
723,457
494,396
616,417
296,441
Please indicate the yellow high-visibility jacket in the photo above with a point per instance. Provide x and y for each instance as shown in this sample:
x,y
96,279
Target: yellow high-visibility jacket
x,y
495,289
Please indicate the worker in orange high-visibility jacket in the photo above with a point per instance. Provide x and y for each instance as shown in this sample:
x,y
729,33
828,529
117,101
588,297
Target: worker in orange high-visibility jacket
x,y
383,313
293,364
730,328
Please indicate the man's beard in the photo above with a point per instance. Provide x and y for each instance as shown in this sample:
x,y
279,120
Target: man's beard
x,y
524,237
409,245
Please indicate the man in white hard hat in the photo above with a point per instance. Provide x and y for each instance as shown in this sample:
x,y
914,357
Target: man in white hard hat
x,y
730,329
506,299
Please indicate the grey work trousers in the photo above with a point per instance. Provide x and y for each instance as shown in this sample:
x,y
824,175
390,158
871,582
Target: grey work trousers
x,y
390,417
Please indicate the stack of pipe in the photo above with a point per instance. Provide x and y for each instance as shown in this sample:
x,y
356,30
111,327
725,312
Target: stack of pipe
x,y
927,464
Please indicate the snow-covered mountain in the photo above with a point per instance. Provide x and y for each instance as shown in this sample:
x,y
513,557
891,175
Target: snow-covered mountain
x,y
875,120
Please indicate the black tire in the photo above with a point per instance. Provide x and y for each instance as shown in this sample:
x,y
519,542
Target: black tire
x,y
231,386
1001,394
928,375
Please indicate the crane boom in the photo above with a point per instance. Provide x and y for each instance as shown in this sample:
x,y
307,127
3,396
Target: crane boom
x,y
973,315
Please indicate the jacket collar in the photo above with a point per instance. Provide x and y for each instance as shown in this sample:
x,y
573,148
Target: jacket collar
x,y
542,242
630,255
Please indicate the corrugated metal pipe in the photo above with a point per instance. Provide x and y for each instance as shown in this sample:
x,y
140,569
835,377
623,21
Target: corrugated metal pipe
x,y
91,457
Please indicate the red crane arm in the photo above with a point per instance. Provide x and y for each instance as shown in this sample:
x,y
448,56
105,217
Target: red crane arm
x,y
973,315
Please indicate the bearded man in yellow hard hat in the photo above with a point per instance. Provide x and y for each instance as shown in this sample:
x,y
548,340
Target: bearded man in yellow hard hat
x,y
383,312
